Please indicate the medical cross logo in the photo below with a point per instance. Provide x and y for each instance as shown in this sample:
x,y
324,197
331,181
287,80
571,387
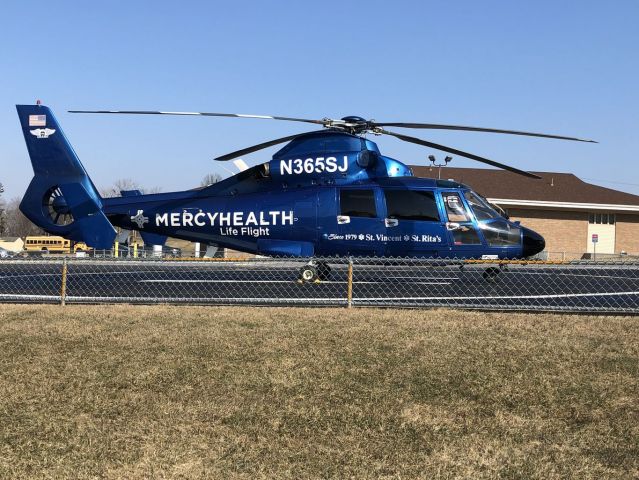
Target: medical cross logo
x,y
140,219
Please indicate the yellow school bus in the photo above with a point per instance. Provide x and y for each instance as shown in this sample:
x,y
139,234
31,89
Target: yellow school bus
x,y
47,244
52,244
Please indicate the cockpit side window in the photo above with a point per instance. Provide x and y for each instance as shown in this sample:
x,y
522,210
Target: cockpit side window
x,y
483,211
357,203
455,209
411,205
463,233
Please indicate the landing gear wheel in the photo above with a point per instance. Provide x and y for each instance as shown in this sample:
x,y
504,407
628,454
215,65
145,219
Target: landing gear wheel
x,y
308,273
491,274
323,271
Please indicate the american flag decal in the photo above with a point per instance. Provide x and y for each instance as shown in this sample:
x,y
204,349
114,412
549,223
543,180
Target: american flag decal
x,y
37,120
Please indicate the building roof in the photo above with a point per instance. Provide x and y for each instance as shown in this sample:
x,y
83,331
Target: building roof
x,y
9,239
552,188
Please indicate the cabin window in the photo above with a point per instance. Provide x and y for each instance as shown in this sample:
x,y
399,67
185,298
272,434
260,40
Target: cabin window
x,y
357,203
411,205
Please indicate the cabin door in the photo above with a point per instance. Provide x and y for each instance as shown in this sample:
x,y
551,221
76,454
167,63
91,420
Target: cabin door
x,y
360,225
462,231
413,224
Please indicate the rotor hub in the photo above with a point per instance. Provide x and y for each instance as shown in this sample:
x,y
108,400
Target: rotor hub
x,y
353,124
354,119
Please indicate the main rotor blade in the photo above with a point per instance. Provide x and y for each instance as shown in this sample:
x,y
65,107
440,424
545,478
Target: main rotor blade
x,y
202,114
454,151
436,126
255,148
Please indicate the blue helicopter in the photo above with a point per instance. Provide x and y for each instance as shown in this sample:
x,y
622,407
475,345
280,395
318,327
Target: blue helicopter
x,y
325,193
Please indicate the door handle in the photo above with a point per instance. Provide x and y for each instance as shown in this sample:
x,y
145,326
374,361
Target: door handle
x,y
343,219
451,226
391,222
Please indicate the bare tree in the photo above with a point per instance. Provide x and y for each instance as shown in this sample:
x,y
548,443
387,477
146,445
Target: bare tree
x,y
126,184
210,179
119,185
150,190
17,225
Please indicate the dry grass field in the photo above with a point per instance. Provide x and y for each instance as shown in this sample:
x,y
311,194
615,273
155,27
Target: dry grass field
x,y
209,392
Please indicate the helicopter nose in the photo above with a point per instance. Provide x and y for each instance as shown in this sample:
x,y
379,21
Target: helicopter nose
x,y
532,242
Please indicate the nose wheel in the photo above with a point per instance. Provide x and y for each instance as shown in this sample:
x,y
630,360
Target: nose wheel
x,y
315,272
308,273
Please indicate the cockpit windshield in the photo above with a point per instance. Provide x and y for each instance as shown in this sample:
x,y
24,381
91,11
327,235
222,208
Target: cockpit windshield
x,y
497,231
483,210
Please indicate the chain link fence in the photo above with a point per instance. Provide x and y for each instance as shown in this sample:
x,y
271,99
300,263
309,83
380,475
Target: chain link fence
x,y
610,286
585,256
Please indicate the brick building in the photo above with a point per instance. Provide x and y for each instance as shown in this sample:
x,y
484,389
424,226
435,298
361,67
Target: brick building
x,y
565,210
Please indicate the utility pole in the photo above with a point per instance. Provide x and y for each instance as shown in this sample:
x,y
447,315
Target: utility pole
x,y
2,219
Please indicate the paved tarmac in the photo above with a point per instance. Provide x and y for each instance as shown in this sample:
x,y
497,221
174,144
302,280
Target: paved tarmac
x,y
586,287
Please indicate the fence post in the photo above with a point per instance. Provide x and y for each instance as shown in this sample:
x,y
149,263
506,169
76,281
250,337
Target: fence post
x,y
63,286
349,280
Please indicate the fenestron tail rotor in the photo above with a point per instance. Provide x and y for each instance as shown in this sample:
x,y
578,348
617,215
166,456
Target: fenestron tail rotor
x,y
359,126
55,207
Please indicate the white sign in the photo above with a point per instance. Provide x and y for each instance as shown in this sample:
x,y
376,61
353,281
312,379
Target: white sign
x,y
224,219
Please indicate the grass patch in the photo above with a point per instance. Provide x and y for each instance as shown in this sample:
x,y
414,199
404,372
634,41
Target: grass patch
x,y
188,392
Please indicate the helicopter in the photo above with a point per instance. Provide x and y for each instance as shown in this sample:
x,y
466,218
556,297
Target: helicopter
x,y
327,192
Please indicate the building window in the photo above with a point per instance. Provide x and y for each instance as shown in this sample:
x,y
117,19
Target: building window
x,y
602,218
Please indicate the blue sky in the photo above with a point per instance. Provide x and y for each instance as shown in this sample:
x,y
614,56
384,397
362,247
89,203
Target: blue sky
x,y
569,67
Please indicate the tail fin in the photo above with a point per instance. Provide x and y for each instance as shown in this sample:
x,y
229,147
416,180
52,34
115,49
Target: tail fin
x,y
61,198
